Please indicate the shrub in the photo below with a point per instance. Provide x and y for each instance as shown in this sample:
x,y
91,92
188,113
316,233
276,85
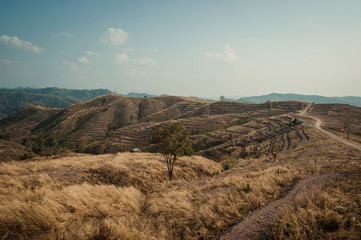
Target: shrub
x,y
295,121
227,165
26,156
247,189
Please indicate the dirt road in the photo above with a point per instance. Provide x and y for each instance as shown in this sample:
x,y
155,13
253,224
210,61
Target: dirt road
x,y
318,127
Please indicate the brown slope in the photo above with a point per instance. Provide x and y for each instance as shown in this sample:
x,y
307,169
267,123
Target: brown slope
x,y
113,123
22,123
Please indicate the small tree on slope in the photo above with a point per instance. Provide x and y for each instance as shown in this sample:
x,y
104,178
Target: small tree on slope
x,y
173,142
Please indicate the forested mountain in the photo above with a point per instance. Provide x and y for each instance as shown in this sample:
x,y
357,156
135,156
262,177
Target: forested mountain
x,y
14,99
305,98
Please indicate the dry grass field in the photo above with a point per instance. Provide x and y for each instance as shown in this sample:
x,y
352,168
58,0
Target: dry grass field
x,y
127,196
294,181
332,212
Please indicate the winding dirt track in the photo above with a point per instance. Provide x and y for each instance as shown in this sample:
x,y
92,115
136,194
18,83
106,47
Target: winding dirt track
x,y
257,224
318,127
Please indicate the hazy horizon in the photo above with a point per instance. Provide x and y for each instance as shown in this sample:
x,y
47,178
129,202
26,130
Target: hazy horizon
x,y
203,49
231,97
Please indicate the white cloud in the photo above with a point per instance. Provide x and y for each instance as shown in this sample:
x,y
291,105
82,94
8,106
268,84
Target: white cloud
x,y
145,61
16,42
62,35
115,36
228,56
121,59
90,53
83,60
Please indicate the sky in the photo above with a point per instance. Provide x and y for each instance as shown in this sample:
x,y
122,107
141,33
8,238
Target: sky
x,y
185,48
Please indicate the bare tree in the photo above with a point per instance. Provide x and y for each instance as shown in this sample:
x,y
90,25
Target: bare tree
x,y
269,105
275,146
101,148
349,121
82,142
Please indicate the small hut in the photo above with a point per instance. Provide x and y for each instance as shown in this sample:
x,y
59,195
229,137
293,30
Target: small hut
x,y
134,150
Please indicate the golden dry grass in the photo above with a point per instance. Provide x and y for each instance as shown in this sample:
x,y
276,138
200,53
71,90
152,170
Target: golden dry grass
x,y
127,196
331,213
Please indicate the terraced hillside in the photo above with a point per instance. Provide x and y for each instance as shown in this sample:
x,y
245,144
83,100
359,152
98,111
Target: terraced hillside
x,y
255,138
113,123
310,191
273,180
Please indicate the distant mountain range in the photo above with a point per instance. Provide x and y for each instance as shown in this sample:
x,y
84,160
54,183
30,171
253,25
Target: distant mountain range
x,y
305,98
136,94
14,99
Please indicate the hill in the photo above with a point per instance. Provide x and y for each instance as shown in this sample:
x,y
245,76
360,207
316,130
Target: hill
x,y
269,179
312,189
113,123
14,99
305,98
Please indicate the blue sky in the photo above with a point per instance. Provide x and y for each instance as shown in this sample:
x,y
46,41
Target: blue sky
x,y
188,48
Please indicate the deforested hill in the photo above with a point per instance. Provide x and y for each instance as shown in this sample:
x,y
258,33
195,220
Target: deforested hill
x,y
113,123
14,99
299,97
265,171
